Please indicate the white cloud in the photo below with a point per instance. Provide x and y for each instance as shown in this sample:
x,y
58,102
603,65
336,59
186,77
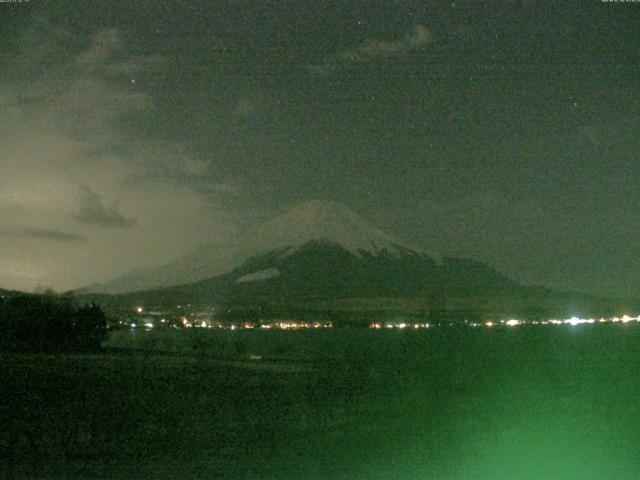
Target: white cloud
x,y
58,127
372,50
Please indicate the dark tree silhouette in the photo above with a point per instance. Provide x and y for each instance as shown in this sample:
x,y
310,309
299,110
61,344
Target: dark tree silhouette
x,y
48,323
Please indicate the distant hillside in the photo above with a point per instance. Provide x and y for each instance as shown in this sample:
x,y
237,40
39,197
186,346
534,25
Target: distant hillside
x,y
321,255
324,273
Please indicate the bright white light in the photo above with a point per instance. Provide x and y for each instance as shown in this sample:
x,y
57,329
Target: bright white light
x,y
574,321
488,324
133,325
139,309
148,325
578,321
513,322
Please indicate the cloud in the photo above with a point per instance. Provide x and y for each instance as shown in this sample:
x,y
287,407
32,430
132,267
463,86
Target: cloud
x,y
71,115
619,129
93,212
103,44
591,134
83,94
372,50
252,104
195,167
245,108
45,234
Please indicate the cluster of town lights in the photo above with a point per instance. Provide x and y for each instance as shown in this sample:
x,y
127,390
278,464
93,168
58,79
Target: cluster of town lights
x,y
281,325
207,322
567,321
573,321
415,326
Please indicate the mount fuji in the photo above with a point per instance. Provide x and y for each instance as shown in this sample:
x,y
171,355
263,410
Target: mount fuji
x,y
320,221
316,250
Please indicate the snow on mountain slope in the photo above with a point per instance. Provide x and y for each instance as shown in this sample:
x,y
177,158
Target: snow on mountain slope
x,y
321,220
309,221
266,274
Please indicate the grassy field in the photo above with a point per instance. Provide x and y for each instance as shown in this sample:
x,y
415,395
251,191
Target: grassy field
x,y
454,404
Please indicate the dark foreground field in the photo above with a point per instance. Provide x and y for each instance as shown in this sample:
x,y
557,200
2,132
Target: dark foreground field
x,y
539,403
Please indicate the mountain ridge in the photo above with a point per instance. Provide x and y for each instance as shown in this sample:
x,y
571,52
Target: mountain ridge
x,y
314,220
322,257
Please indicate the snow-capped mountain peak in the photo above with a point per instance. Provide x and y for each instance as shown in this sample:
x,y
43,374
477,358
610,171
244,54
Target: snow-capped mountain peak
x,y
317,220
314,220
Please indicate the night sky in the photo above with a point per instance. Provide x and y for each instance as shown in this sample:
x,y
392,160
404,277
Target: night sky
x,y
131,132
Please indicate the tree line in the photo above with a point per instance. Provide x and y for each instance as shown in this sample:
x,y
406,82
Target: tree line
x,y
49,323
